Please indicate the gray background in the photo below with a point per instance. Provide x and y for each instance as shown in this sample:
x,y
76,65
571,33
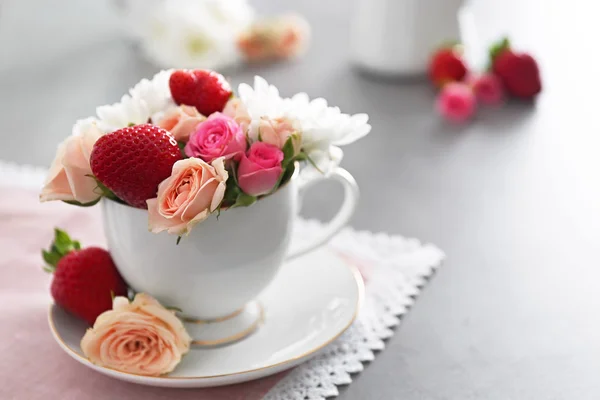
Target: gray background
x,y
513,197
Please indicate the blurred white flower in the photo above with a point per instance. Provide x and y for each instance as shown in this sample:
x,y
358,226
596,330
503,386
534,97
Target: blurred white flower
x,y
129,111
195,33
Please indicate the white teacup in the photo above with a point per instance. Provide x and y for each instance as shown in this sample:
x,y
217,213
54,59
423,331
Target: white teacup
x,y
225,262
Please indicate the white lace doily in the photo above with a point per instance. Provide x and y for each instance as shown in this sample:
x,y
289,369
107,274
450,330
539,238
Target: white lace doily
x,y
399,268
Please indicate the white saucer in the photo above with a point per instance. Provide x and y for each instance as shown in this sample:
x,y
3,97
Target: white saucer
x,y
310,303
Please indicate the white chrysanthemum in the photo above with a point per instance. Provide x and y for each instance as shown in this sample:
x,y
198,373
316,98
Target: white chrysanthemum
x,y
196,33
325,161
323,128
261,101
155,92
129,111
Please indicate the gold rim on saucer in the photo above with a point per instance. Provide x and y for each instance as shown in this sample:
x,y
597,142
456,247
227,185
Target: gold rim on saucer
x,y
360,298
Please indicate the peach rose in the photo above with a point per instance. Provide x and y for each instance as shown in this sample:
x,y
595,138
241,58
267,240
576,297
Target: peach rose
x,y
293,36
282,37
193,191
67,178
181,122
237,110
141,337
277,131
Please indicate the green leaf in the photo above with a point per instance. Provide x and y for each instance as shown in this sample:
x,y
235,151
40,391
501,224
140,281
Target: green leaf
x,y
232,191
233,172
310,160
496,49
61,246
181,146
174,309
76,203
62,241
102,190
302,156
288,152
178,240
287,174
244,200
51,259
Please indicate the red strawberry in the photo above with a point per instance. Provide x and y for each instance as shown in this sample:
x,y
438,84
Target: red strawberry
x,y
85,280
132,161
446,65
206,90
518,72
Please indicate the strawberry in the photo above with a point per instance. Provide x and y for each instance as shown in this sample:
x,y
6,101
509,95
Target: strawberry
x,y
518,72
446,65
206,90
85,280
132,161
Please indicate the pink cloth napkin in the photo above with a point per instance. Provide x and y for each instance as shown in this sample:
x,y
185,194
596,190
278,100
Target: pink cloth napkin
x,y
32,366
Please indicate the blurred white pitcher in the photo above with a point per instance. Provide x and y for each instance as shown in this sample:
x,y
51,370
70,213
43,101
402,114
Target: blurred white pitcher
x,y
396,37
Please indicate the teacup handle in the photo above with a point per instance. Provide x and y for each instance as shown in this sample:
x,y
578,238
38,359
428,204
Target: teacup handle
x,y
342,217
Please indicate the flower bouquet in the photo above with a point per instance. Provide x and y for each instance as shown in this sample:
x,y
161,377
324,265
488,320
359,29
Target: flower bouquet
x,y
182,155
183,146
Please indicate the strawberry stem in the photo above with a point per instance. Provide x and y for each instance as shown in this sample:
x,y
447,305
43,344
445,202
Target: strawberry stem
x,y
496,49
60,247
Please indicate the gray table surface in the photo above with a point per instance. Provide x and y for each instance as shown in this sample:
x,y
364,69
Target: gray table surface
x,y
513,198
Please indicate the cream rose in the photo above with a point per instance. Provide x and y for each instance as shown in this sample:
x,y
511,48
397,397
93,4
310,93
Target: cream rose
x,y
193,191
276,132
141,337
68,176
237,110
181,122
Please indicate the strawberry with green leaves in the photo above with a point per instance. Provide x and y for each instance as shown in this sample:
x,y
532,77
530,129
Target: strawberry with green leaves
x,y
519,72
85,280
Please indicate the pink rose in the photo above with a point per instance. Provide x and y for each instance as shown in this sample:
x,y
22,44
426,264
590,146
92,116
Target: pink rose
x,y
67,178
141,337
237,110
456,102
218,136
193,191
259,172
487,87
276,132
181,122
